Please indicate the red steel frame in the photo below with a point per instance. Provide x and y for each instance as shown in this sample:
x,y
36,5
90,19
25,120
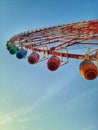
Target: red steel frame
x,y
63,36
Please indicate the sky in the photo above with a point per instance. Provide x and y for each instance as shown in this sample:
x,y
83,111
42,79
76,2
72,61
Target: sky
x,y
32,97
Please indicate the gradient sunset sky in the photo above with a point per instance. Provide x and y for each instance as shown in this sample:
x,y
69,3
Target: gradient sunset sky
x,y
32,97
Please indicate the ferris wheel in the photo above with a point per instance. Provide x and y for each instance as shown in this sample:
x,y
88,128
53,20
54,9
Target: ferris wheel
x,y
59,43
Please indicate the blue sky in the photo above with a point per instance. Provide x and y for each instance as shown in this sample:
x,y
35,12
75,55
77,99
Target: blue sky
x,y
32,97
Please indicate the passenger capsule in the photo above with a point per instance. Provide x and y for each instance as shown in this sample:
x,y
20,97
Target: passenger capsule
x,y
88,70
8,43
21,53
33,58
9,47
13,50
53,63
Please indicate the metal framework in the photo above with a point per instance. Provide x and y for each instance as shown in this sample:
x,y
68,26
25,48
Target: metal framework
x,y
58,40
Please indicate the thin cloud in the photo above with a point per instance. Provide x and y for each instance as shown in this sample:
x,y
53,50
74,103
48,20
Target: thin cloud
x,y
21,113
79,97
89,128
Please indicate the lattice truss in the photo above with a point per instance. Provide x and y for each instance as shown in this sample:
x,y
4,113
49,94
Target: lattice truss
x,y
59,41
